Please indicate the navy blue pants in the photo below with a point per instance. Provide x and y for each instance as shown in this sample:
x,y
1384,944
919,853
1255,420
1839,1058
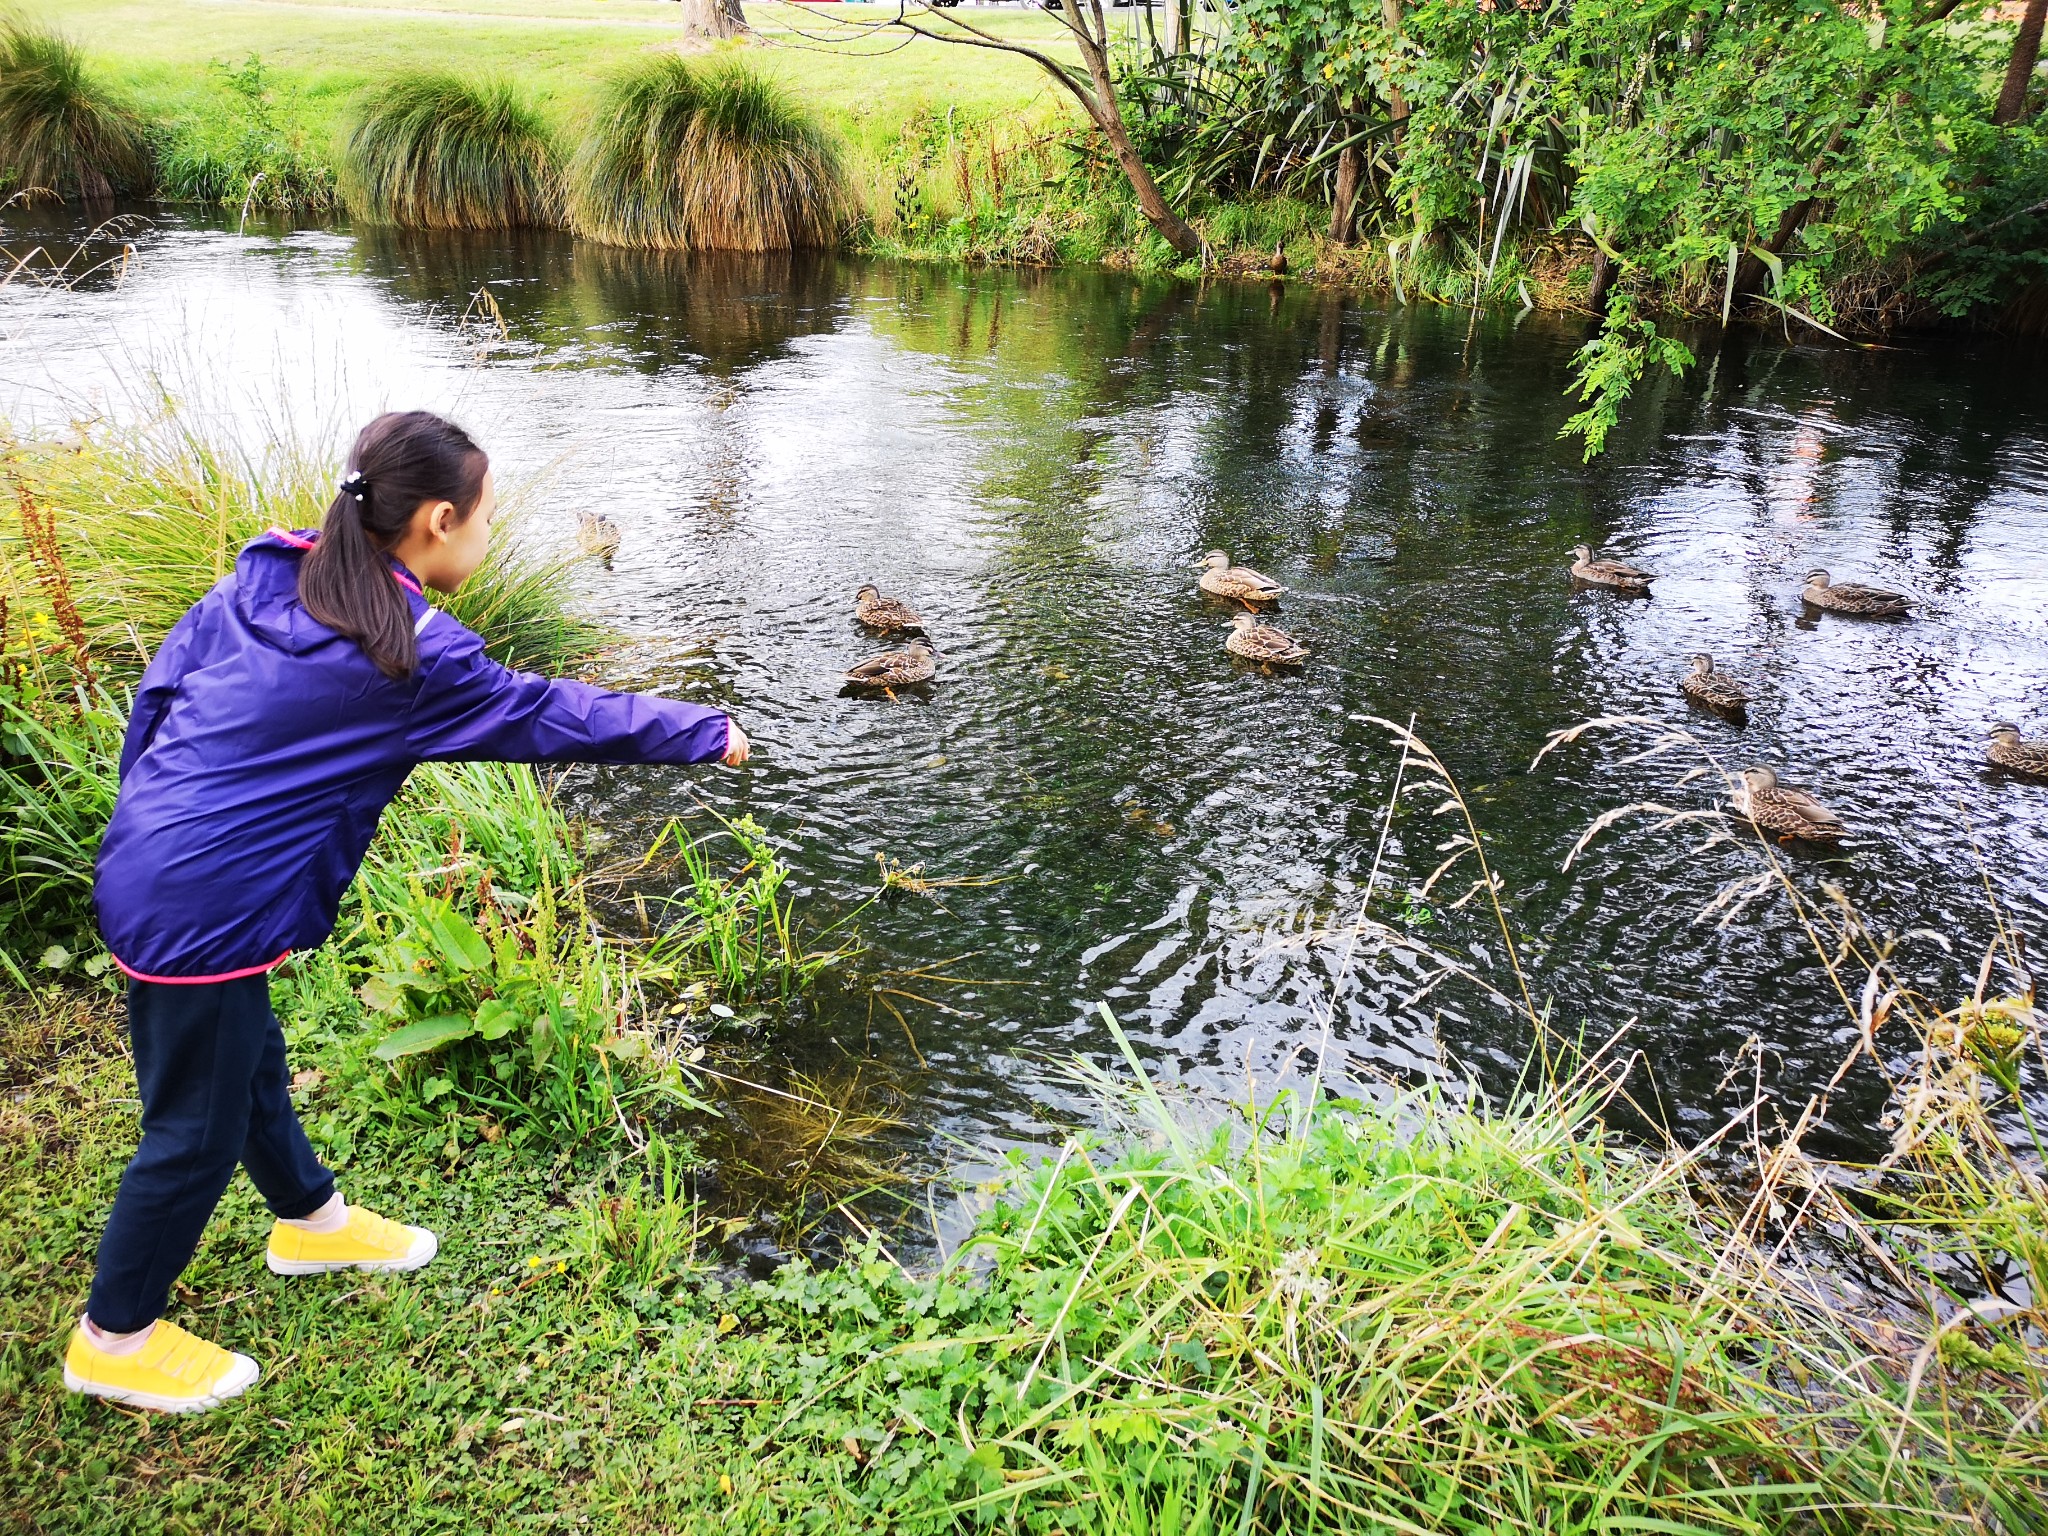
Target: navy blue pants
x,y
209,1061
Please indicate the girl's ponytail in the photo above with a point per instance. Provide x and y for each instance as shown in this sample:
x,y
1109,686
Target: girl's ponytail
x,y
401,461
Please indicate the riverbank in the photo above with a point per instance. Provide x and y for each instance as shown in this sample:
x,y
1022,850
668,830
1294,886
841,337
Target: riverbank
x,y
1416,1317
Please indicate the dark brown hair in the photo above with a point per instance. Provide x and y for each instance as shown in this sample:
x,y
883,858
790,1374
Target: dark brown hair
x,y
401,461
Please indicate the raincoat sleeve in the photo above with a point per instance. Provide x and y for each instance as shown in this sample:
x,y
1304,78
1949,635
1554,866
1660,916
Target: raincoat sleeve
x,y
470,707
159,685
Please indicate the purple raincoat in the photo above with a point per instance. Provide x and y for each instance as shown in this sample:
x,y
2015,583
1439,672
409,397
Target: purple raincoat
x,y
263,747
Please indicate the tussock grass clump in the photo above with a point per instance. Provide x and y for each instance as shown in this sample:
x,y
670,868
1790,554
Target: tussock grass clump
x,y
61,133
154,513
705,159
435,151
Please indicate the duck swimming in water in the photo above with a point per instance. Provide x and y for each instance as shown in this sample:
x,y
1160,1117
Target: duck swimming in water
x,y
1616,574
885,615
915,663
1222,579
1716,690
597,535
1854,598
2007,750
1783,812
1260,642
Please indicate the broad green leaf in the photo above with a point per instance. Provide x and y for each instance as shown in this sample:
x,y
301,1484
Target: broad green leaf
x,y
457,939
56,957
386,991
426,1035
496,1019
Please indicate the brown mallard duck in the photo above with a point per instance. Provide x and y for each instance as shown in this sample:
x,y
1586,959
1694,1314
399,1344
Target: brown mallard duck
x,y
885,615
915,663
1783,812
1715,690
1852,597
1222,579
1617,574
2009,751
1256,641
597,535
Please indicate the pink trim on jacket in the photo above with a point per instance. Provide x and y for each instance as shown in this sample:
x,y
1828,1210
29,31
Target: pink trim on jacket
x,y
199,981
286,536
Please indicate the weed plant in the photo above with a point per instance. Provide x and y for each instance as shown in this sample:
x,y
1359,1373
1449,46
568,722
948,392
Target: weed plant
x,y
434,151
740,928
62,134
239,142
683,157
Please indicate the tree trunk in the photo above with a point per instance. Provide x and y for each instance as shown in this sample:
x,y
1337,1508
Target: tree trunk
x,y
1604,269
1749,273
718,19
1397,103
1096,96
2019,74
1172,228
1176,29
1344,206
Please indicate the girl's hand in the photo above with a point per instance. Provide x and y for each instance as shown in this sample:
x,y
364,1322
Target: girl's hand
x,y
737,748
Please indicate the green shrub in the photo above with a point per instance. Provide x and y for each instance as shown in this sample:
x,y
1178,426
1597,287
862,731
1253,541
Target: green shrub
x,y
61,133
238,146
717,159
434,151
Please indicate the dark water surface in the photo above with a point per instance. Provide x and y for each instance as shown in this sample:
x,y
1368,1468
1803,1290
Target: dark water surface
x,y
1035,460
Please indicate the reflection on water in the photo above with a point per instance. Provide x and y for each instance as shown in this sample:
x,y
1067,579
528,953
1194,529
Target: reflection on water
x,y
1035,460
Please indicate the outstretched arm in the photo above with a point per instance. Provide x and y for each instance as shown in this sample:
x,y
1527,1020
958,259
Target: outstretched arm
x,y
470,707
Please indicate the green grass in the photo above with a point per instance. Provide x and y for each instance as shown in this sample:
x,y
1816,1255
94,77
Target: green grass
x,y
1421,1316
61,132
177,61
435,151
682,157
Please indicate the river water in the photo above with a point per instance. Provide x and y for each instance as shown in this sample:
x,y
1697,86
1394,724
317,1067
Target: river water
x,y
1035,460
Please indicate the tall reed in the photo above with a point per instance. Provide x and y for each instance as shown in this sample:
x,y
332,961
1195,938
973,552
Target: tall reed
x,y
435,151
688,158
154,513
62,134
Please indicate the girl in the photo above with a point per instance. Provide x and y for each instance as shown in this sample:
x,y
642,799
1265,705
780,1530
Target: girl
x,y
277,720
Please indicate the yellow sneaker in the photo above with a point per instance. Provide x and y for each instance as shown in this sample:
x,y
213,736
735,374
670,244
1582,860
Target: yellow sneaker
x,y
172,1371
367,1242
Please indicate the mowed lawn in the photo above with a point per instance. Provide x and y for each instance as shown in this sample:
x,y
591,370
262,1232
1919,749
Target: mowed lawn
x,y
861,79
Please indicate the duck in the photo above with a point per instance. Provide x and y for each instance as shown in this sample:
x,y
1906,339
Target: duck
x,y
2007,750
915,663
1618,574
1783,812
1852,597
1222,579
1263,643
1277,263
885,615
597,535
1716,690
